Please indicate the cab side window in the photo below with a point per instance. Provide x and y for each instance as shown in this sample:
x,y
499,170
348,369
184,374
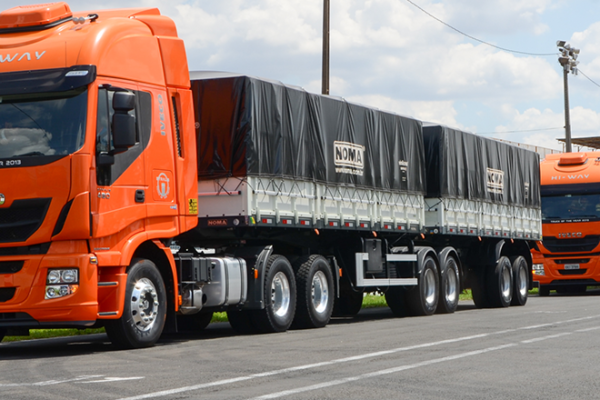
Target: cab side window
x,y
110,164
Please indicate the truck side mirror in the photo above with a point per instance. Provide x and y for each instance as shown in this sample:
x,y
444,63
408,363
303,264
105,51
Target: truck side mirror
x,y
123,124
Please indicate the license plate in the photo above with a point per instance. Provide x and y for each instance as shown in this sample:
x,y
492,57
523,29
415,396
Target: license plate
x,y
571,266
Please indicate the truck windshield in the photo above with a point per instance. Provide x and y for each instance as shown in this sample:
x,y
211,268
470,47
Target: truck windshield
x,y
42,124
571,207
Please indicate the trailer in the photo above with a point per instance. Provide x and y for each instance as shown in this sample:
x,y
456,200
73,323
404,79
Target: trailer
x,y
142,198
371,199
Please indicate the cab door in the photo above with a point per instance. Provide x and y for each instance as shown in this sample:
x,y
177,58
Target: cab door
x,y
119,187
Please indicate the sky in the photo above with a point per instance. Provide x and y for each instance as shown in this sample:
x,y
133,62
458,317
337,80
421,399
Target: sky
x,y
392,55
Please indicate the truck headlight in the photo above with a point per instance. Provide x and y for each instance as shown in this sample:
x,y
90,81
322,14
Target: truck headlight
x,y
538,269
61,282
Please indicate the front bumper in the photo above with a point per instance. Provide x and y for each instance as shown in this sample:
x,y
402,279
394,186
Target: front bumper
x,y
24,305
563,270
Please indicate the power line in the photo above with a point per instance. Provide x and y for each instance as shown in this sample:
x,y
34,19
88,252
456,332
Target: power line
x,y
589,79
479,40
527,130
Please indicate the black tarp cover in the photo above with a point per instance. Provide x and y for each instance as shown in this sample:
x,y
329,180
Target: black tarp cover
x,y
252,126
462,165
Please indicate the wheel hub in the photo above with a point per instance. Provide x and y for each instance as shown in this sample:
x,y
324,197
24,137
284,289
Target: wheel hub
x,y
319,292
429,287
522,281
505,283
144,304
280,294
451,286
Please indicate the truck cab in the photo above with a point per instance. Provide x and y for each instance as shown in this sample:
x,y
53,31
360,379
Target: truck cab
x,y
567,258
95,146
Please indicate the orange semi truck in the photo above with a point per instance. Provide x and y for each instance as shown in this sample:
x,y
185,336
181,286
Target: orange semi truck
x,y
567,259
142,198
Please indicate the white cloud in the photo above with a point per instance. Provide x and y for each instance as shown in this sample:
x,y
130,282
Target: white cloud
x,y
589,58
389,54
441,112
497,17
544,127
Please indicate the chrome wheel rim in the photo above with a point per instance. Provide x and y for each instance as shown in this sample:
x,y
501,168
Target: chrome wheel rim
x,y
451,285
319,292
505,283
280,294
522,280
144,304
429,287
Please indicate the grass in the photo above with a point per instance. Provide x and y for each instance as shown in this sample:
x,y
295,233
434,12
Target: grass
x,y
378,300
219,317
370,301
50,333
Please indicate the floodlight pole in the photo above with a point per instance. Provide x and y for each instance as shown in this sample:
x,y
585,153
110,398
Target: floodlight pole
x,y
325,79
567,110
568,60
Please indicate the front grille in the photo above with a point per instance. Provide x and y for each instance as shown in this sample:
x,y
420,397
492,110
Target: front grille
x,y
36,249
572,271
10,267
555,245
19,221
6,294
573,261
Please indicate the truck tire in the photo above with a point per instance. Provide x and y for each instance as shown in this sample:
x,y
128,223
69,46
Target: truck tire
x,y
500,283
144,311
241,321
2,334
279,295
449,288
520,274
423,299
194,323
478,288
394,298
314,282
544,291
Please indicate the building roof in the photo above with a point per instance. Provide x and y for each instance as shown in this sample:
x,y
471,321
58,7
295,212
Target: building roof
x,y
591,142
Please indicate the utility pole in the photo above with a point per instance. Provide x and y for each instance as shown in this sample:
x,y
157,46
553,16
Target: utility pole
x,y
325,78
568,60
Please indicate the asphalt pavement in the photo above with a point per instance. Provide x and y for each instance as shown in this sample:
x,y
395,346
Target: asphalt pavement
x,y
547,349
